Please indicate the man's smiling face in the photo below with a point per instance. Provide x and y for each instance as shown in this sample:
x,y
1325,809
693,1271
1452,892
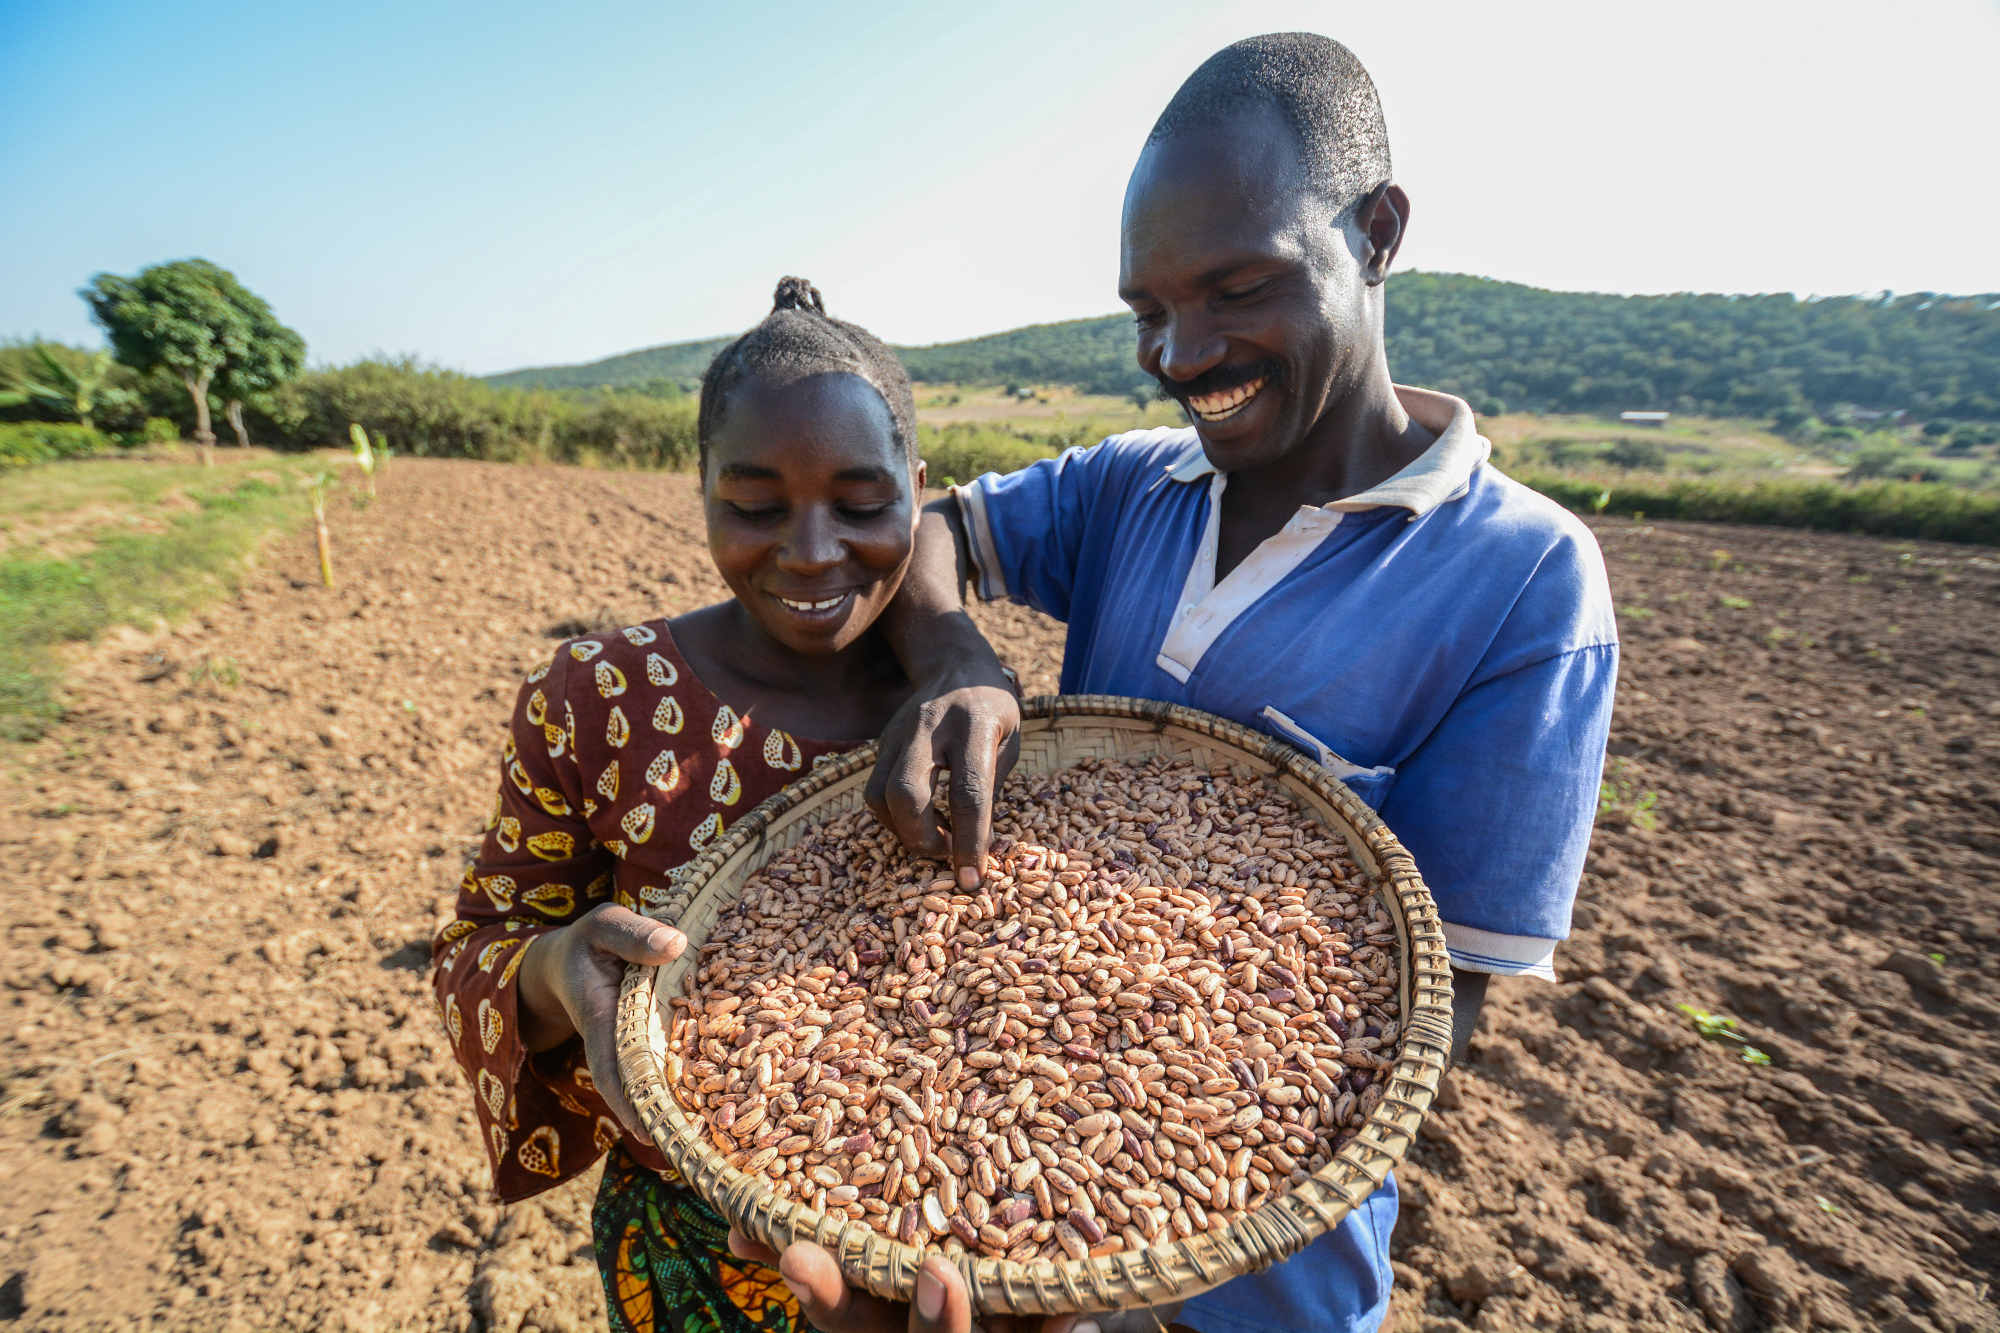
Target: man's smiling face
x,y
1252,296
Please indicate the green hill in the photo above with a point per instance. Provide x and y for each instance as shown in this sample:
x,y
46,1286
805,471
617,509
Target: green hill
x,y
1505,345
677,363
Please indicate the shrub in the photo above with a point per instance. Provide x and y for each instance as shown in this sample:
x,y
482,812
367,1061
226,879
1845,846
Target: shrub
x,y
963,452
1929,510
159,430
24,442
1644,455
430,412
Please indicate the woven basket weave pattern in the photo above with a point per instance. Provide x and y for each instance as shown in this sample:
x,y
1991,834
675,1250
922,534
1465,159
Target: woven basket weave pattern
x,y
1058,732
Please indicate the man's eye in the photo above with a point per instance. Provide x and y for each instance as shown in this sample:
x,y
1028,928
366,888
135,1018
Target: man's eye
x,y
1247,293
756,513
863,513
1145,319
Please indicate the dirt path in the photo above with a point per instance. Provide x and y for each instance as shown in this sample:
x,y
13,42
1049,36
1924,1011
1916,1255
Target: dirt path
x,y
225,1101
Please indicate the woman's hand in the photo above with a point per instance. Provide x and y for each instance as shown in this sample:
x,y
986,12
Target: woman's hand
x,y
569,985
942,1304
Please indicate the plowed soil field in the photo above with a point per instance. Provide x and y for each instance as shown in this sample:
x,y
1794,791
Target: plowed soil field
x,y
226,1102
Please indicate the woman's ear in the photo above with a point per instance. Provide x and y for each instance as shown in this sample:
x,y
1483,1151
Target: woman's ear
x,y
923,477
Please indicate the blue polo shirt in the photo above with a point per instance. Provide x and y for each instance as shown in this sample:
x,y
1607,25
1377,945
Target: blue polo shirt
x,y
1445,643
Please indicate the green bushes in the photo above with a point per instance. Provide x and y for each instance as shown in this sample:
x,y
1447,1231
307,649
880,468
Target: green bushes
x,y
960,453
25,442
1929,510
430,412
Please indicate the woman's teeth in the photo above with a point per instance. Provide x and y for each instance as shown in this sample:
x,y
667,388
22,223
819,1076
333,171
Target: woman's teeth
x,y
826,605
1224,405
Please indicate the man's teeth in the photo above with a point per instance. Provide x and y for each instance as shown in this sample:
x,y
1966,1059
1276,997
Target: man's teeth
x,y
826,605
1224,405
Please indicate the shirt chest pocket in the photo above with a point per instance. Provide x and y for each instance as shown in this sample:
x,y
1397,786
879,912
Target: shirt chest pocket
x,y
1370,784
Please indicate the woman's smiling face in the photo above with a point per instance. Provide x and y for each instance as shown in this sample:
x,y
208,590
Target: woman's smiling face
x,y
811,506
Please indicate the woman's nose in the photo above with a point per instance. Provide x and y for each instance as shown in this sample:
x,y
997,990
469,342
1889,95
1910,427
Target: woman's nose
x,y
812,544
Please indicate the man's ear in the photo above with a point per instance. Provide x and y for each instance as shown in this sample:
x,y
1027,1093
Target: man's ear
x,y
1382,218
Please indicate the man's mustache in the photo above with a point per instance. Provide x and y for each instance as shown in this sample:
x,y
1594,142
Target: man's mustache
x,y
1220,379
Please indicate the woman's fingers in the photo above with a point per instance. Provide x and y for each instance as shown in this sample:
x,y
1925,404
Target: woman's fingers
x,y
611,937
631,938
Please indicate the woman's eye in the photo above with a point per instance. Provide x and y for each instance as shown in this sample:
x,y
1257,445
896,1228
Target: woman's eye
x,y
756,513
863,513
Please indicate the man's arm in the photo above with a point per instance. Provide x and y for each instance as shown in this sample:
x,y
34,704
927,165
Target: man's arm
x,y
962,714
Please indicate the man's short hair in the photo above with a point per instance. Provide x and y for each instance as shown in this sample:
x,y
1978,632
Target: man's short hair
x,y
1319,88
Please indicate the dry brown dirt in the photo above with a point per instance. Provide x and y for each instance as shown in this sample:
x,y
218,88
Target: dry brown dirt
x,y
225,1101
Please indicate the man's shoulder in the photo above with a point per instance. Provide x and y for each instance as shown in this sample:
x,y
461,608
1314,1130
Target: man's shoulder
x,y
1160,447
1506,509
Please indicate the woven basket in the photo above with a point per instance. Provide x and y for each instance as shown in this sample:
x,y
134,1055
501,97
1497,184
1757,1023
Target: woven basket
x,y
1057,732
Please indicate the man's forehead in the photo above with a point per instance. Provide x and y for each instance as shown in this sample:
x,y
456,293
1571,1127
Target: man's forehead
x,y
1249,164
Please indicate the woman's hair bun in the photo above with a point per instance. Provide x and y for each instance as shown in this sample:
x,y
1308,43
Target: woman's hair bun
x,y
797,294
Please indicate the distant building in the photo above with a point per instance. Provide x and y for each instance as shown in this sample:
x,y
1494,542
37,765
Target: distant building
x,y
1873,414
1643,418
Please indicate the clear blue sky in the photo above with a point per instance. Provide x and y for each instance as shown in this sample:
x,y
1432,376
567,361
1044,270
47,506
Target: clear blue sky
x,y
497,185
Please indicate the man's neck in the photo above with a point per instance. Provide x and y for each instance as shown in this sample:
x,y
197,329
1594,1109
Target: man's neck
x,y
1360,441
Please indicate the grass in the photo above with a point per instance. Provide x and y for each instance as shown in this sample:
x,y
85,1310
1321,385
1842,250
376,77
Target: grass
x,y
94,544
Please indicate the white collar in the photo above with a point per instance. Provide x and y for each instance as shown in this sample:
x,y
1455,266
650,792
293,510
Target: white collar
x,y
1440,473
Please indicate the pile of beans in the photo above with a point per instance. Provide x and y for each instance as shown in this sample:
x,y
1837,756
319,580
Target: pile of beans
x,y
1162,1007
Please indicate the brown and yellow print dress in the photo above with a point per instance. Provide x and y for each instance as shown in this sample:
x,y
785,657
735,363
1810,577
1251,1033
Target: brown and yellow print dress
x,y
619,767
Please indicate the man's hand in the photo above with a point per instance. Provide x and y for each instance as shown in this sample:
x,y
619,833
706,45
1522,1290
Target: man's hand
x,y
569,984
942,1304
963,714
968,722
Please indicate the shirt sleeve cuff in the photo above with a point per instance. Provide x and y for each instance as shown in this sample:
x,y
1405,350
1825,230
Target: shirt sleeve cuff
x,y
990,583
1475,950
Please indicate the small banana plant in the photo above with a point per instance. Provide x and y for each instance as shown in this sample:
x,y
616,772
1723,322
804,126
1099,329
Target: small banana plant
x,y
318,485
364,456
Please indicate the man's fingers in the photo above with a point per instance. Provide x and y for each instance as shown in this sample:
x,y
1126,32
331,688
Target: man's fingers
x,y
906,794
941,1304
973,782
829,1303
624,934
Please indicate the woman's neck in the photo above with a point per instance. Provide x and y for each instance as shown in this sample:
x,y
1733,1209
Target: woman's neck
x,y
848,695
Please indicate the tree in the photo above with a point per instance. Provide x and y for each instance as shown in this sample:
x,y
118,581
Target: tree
x,y
69,389
273,355
181,317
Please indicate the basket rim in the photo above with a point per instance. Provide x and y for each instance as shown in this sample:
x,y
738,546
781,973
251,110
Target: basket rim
x,y
1165,1271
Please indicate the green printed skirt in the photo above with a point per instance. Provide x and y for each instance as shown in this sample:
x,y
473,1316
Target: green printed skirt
x,y
667,1267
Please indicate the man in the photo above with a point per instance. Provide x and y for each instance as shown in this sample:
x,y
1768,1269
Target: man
x,y
1323,555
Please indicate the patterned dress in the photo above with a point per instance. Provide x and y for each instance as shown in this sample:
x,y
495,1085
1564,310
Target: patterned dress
x,y
619,767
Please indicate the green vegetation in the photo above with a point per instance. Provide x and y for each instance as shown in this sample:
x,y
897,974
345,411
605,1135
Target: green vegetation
x,y
98,543
1715,1028
177,318
26,442
1502,345
1931,510
63,386
662,372
435,413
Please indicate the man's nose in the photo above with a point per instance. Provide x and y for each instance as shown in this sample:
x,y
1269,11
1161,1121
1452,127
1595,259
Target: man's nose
x,y
1190,345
